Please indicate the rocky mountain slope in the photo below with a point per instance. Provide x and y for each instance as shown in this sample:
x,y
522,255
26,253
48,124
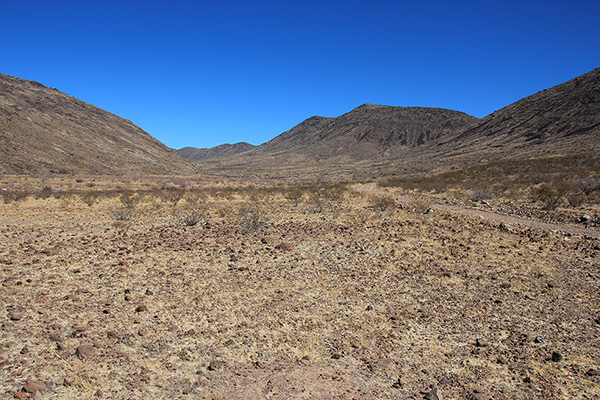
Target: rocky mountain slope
x,y
194,154
44,130
561,120
374,141
368,131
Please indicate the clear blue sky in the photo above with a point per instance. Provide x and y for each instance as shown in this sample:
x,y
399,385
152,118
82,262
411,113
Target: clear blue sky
x,y
203,73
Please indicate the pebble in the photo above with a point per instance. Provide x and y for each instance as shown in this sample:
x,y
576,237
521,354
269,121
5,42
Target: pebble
x,y
33,386
141,308
556,356
481,342
14,316
215,365
434,395
85,351
592,372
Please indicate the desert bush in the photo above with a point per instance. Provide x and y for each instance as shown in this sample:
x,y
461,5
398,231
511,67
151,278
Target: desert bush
x,y
548,197
360,217
479,195
191,216
588,185
129,200
173,194
44,193
8,196
251,218
89,197
383,204
576,200
122,219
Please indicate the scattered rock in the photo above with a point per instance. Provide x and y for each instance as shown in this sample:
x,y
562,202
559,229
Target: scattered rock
x,y
141,308
585,218
14,316
285,246
397,384
86,351
444,381
592,372
34,386
597,320
481,342
556,356
21,395
538,339
434,395
215,365
24,350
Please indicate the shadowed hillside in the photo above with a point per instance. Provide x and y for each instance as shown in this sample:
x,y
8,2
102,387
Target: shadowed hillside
x,y
44,130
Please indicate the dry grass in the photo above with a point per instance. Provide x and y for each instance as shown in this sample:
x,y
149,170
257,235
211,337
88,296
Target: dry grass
x,y
371,300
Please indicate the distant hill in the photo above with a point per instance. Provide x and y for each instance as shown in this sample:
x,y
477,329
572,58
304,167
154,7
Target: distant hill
x,y
193,154
561,120
369,133
374,141
43,130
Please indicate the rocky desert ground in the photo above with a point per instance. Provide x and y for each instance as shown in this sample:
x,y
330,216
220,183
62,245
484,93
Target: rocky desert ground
x,y
141,290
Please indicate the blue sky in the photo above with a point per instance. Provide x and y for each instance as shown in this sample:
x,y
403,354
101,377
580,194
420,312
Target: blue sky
x,y
203,73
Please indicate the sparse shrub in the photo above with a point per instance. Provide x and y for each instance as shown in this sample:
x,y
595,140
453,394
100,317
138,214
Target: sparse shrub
x,y
122,218
251,218
192,214
479,195
129,200
588,185
420,206
89,197
360,217
14,195
44,193
173,194
547,196
383,204
576,200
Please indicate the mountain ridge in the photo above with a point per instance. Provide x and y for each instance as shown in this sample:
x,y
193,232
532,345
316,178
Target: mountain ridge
x,y
44,130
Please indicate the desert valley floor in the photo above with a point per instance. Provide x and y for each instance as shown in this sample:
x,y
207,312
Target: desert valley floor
x,y
338,295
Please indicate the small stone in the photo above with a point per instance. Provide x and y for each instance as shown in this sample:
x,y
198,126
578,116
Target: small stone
x,y
99,393
597,320
397,384
444,381
538,339
14,316
434,395
285,246
481,342
585,218
33,386
21,395
86,351
556,356
336,356
141,308
215,365
592,372
25,350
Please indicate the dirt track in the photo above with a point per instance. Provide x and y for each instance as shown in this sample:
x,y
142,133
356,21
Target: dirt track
x,y
489,215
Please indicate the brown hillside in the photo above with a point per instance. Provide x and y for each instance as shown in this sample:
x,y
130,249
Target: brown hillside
x,y
332,147
43,130
225,150
368,131
562,120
